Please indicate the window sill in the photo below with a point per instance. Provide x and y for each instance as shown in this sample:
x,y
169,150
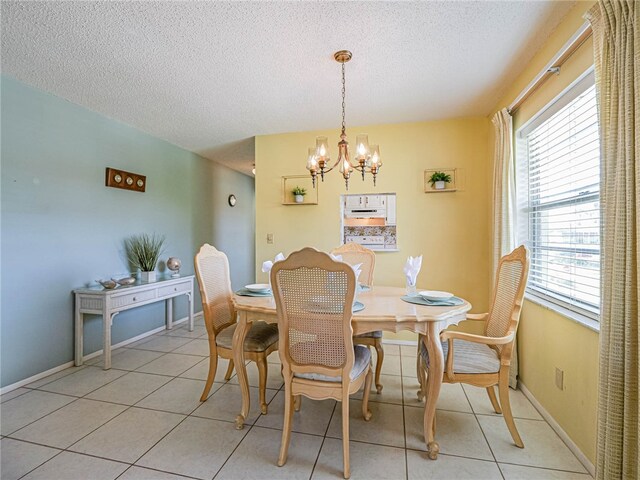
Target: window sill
x,y
565,312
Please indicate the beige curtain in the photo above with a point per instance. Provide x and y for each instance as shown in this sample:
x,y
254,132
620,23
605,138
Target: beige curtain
x,y
616,38
504,204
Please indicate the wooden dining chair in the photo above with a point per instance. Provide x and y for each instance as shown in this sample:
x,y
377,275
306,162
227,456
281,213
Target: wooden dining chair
x,y
484,360
314,297
353,254
212,271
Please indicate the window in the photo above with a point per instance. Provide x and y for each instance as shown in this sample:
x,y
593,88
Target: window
x,y
559,200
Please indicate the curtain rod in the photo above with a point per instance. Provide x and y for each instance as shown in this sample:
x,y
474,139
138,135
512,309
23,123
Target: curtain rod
x,y
553,67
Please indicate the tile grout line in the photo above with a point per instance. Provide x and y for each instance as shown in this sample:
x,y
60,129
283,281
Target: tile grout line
x,y
324,437
475,416
129,407
242,439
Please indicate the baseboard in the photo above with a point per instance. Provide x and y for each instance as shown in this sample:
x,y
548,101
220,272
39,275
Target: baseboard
x,y
558,429
59,368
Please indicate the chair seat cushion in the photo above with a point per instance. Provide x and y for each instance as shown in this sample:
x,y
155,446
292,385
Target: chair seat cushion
x,y
376,334
360,364
468,357
260,337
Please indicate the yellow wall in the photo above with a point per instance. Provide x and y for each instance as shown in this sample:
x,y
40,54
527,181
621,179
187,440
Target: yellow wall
x,y
547,340
448,229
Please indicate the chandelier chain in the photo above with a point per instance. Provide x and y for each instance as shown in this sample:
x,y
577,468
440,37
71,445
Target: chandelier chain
x,y
343,103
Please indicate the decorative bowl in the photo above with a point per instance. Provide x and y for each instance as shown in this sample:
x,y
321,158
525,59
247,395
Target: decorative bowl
x,y
126,281
108,284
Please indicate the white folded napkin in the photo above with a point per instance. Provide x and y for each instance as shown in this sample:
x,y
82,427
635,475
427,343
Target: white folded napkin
x,y
266,266
412,268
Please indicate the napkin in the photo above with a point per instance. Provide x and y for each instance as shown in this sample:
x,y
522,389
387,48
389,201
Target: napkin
x,y
266,266
412,268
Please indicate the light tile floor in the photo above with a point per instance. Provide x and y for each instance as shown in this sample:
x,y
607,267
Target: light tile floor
x,y
142,420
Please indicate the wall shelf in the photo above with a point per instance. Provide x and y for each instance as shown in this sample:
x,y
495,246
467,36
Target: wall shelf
x,y
289,182
449,187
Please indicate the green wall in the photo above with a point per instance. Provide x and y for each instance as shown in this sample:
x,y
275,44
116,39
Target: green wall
x,y
61,228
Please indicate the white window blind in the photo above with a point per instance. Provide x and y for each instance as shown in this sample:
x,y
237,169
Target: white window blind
x,y
560,152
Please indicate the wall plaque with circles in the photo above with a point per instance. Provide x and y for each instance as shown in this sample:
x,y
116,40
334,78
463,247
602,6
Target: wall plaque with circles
x,y
126,180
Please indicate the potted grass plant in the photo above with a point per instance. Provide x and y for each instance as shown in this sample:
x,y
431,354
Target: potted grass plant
x,y
439,180
299,194
143,252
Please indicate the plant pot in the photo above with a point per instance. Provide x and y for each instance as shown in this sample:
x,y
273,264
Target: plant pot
x,y
299,198
148,277
439,185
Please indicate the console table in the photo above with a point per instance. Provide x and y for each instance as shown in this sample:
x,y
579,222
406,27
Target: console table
x,y
110,302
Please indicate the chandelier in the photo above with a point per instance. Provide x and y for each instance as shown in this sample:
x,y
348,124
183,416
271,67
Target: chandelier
x,y
367,159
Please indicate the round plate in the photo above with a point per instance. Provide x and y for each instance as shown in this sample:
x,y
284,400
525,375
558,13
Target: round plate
x,y
258,287
435,295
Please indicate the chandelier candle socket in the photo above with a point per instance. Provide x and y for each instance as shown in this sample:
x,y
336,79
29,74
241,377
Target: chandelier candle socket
x,y
367,159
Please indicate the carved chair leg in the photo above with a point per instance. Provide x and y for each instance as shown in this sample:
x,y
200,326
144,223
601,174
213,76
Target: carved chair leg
x,y
503,390
345,430
366,413
297,402
380,352
494,400
227,375
286,429
262,376
422,377
213,366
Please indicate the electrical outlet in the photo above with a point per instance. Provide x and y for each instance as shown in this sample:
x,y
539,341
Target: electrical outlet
x,y
269,237
559,378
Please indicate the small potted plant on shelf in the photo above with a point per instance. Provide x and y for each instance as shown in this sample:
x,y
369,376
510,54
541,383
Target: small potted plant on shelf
x,y
299,194
439,180
143,252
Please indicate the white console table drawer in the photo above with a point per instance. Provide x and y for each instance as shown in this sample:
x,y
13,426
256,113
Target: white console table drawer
x,y
173,289
130,299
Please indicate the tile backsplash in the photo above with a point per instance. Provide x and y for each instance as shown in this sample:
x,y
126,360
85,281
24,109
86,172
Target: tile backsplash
x,y
389,233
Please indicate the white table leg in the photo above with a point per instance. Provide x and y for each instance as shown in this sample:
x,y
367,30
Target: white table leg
x,y
79,331
190,301
168,313
107,319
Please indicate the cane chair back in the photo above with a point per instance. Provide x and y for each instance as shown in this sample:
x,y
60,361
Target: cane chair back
x,y
212,271
353,253
511,280
314,296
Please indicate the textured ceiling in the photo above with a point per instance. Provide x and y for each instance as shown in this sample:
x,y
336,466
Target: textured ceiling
x,y
209,76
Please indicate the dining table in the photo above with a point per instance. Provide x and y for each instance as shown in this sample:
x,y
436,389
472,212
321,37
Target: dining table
x,y
384,309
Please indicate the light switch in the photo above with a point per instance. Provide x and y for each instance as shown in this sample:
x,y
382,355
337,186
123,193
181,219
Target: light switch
x,y
269,237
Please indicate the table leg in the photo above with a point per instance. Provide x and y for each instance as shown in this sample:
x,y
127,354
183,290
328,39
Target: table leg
x,y
168,313
241,369
107,319
434,382
79,344
190,302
